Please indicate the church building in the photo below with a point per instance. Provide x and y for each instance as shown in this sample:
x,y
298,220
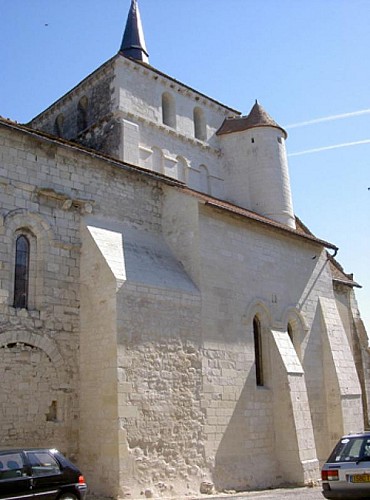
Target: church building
x,y
166,320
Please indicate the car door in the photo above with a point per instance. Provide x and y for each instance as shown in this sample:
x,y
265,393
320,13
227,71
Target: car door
x,y
15,479
47,476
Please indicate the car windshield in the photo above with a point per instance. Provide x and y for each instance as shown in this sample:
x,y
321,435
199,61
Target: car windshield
x,y
351,449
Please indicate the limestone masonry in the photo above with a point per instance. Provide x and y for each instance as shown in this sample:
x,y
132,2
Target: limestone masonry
x,y
165,319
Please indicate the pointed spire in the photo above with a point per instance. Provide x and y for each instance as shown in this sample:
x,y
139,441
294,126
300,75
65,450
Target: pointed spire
x,y
258,117
133,43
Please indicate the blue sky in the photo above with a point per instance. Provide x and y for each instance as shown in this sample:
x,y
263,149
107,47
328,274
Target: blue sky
x,y
303,60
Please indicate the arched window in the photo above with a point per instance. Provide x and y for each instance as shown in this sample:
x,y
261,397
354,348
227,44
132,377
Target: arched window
x,y
200,130
21,274
82,113
59,125
168,110
258,350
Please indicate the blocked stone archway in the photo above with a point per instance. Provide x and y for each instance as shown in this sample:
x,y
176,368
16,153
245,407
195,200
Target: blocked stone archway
x,y
33,398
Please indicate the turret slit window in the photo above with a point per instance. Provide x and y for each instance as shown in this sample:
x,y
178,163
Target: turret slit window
x,y
21,275
258,351
82,113
200,129
168,110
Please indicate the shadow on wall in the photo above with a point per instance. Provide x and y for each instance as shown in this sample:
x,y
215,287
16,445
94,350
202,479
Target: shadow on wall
x,y
245,460
314,373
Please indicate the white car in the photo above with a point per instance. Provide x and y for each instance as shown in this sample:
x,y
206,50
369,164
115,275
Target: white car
x,y
346,473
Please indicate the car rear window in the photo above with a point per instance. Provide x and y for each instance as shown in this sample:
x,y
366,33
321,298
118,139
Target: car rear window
x,y
351,449
11,465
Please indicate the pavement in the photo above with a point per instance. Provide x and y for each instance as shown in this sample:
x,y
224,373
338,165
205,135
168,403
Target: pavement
x,y
312,493
305,493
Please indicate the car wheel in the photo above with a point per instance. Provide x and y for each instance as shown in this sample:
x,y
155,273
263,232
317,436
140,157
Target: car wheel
x,y
68,496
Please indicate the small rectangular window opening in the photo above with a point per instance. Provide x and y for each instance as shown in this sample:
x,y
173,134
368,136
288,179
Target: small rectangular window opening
x,y
51,416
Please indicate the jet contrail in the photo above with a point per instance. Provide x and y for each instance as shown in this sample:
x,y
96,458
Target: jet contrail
x,y
326,148
329,118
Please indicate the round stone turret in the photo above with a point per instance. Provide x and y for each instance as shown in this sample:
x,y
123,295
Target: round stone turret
x,y
257,176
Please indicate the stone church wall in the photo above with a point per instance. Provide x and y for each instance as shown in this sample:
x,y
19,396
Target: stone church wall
x,y
160,386
140,332
26,371
357,338
46,191
38,346
233,260
85,115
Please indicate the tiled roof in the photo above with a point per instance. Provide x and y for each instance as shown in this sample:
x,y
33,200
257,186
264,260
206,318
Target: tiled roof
x,y
253,216
258,117
337,270
339,275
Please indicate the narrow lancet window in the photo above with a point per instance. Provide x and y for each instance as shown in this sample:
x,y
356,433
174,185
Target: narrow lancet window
x,y
168,110
59,125
258,350
200,129
21,276
82,113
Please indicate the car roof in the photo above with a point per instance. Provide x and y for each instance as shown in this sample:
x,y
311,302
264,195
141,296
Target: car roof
x,y
356,435
17,450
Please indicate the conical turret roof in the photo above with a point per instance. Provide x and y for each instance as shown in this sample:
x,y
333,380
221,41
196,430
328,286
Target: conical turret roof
x,y
133,42
257,117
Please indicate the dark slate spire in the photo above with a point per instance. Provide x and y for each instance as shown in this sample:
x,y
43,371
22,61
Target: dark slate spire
x,y
133,43
256,118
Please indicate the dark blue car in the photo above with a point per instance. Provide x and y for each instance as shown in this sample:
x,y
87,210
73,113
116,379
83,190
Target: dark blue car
x,y
36,473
